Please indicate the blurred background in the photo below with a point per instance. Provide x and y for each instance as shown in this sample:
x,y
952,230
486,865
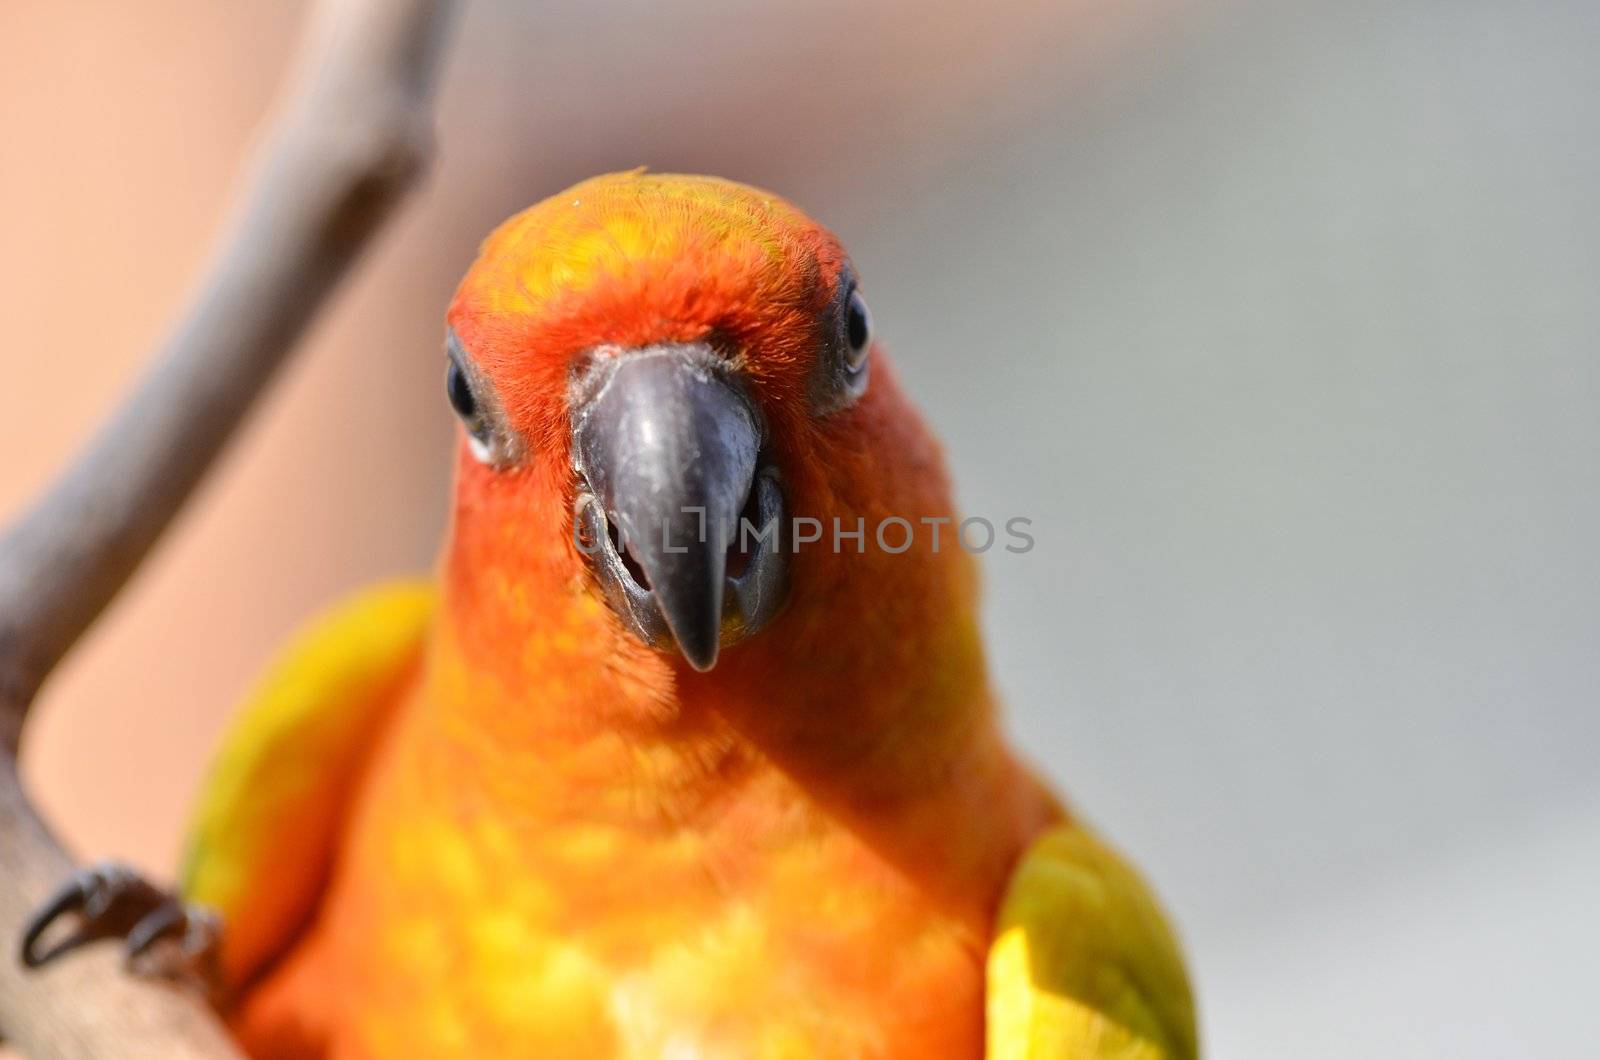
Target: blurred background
x,y
1278,318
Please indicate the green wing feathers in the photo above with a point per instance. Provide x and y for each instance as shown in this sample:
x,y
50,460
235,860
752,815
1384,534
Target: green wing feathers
x,y
267,820
1084,966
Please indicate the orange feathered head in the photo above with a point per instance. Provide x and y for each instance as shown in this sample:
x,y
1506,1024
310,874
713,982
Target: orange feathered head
x,y
673,402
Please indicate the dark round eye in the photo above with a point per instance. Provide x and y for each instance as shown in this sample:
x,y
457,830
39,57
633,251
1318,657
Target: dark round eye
x,y
459,391
458,388
857,332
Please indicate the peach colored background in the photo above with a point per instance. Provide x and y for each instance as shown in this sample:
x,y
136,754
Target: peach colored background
x,y
123,128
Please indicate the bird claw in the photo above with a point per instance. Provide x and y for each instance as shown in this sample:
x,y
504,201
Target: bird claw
x,y
162,936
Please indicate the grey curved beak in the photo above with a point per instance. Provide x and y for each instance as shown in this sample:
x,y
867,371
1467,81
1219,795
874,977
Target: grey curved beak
x,y
667,444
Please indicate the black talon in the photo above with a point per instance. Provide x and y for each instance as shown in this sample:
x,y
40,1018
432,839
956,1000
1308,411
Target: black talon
x,y
194,931
69,898
66,900
109,899
112,901
167,919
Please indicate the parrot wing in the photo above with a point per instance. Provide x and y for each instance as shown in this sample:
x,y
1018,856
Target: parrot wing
x,y
267,821
1084,966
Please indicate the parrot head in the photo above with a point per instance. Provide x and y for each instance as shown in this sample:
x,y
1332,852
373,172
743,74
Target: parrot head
x,y
673,405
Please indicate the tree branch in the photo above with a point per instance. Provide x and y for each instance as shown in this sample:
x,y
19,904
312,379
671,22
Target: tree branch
x,y
350,139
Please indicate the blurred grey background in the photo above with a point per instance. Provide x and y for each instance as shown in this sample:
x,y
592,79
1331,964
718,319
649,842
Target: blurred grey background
x,y
1279,319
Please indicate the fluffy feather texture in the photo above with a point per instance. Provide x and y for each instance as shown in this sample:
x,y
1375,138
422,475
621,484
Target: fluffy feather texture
x,y
568,844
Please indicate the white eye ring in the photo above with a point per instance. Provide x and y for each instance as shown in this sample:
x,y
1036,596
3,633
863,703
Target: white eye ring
x,y
857,332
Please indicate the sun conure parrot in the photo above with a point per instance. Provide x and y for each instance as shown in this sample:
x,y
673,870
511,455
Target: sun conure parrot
x,y
626,779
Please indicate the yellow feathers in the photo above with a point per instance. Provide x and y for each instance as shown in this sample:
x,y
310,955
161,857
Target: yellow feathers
x,y
1083,966
593,232
268,817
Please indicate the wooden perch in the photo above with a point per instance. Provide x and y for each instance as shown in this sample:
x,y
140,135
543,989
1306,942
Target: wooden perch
x,y
351,138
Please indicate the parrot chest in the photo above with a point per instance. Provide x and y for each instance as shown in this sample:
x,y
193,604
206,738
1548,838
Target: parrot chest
x,y
750,926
